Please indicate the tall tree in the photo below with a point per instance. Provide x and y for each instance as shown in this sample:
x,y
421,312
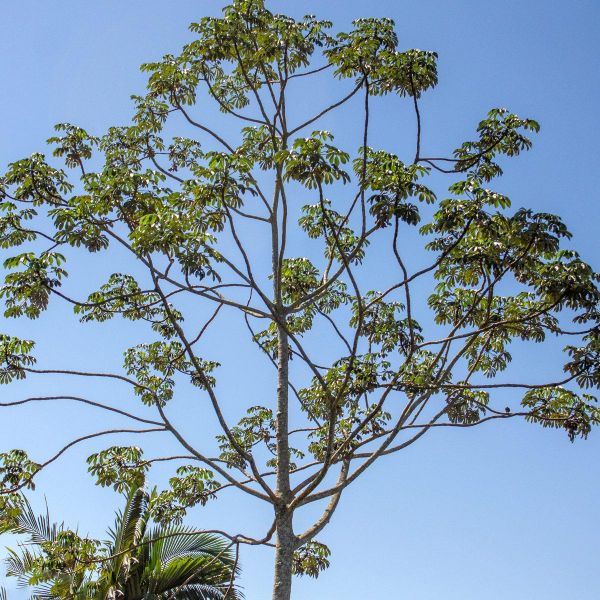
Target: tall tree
x,y
430,348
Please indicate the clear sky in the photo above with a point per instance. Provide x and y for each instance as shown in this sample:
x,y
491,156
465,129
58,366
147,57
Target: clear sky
x,y
500,511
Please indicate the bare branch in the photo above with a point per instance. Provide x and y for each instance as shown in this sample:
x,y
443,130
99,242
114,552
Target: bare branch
x,y
83,401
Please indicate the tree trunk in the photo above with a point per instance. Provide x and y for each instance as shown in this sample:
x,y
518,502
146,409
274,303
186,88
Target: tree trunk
x,y
286,540
282,584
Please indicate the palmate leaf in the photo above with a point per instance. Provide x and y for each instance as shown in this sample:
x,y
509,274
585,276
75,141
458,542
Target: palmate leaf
x,y
311,559
14,358
11,505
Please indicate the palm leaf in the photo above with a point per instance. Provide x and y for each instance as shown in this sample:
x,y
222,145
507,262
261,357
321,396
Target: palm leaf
x,y
175,541
130,523
188,570
176,558
207,592
128,532
38,527
44,591
19,565
166,563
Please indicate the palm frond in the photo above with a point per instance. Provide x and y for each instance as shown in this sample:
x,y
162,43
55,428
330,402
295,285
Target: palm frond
x,y
166,563
175,541
44,591
128,532
19,564
90,590
22,567
3,594
184,571
207,592
130,523
38,527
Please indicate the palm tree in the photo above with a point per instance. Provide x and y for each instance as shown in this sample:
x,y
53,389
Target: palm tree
x,y
164,561
28,566
139,562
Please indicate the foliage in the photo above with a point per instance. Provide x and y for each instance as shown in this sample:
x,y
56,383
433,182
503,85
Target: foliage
x,y
432,346
311,559
139,561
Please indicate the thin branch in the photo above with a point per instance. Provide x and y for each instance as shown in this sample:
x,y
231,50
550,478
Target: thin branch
x,y
76,441
203,127
82,400
328,109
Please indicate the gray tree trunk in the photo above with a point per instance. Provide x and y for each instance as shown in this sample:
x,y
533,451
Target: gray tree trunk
x,y
286,540
282,584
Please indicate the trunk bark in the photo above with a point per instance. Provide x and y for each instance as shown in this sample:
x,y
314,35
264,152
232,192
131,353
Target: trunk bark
x,y
286,540
282,584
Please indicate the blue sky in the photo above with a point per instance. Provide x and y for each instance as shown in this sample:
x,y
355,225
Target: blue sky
x,y
505,511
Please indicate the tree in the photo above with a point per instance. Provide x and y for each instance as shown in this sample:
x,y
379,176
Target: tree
x,y
138,562
431,348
